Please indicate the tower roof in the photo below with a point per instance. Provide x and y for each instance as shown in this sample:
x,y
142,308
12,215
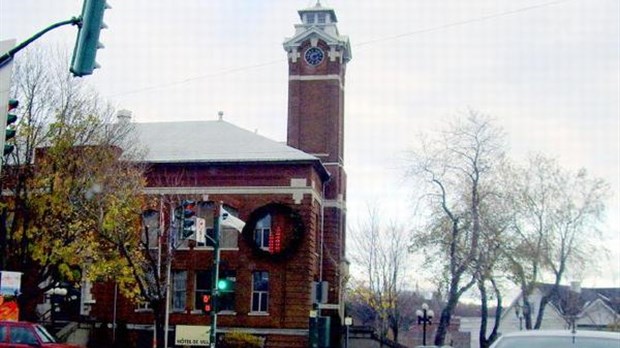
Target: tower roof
x,y
318,8
319,22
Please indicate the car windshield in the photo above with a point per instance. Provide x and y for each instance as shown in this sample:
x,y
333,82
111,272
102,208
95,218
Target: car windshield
x,y
557,342
45,336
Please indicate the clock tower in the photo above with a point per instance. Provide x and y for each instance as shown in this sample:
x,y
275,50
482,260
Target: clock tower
x,y
317,59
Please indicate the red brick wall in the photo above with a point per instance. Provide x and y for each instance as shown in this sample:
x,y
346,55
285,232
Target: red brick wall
x,y
290,280
316,106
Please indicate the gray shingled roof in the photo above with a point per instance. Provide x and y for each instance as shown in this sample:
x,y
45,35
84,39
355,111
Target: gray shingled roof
x,y
211,141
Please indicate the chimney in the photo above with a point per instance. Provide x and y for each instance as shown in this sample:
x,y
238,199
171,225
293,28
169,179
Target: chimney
x,y
123,116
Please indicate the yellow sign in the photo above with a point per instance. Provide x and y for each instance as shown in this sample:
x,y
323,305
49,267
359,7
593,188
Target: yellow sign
x,y
192,335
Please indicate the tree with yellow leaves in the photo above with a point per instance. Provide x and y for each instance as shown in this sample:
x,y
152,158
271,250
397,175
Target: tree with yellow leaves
x,y
72,197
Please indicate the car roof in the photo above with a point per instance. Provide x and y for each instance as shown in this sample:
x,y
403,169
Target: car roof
x,y
563,333
16,323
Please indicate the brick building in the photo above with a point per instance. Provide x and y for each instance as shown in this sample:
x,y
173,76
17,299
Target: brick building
x,y
292,198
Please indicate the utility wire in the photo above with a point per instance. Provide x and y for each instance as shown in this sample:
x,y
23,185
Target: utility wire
x,y
361,44
461,23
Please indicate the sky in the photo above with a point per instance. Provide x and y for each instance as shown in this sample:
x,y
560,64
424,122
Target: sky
x,y
547,72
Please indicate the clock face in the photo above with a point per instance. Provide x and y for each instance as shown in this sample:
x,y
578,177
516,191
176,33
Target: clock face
x,y
314,56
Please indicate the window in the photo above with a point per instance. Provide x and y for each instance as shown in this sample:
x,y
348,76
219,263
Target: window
x,y
23,335
310,18
206,210
150,225
321,18
226,300
143,306
260,291
179,290
229,235
203,287
262,231
44,336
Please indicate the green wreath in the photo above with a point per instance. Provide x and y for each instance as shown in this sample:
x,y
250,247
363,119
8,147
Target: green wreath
x,y
293,241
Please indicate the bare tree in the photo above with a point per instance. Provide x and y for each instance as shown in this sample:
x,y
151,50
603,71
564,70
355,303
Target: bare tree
x,y
555,227
382,254
457,171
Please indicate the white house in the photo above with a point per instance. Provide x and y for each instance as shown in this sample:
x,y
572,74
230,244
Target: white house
x,y
589,308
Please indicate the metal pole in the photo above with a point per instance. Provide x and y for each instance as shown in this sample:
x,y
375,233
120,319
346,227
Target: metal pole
x,y
8,56
216,275
424,327
160,235
114,313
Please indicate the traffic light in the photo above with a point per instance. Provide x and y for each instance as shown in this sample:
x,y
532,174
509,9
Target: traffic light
x,y
10,132
225,285
206,303
87,42
186,213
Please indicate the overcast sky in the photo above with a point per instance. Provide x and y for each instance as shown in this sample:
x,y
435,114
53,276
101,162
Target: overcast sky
x,y
548,71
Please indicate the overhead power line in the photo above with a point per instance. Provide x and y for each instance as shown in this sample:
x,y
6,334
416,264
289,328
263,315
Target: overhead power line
x,y
361,44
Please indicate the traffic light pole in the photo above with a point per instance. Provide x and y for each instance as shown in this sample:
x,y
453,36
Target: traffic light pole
x,y
215,275
8,56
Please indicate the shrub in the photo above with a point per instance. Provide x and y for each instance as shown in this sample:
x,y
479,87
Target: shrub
x,y
238,339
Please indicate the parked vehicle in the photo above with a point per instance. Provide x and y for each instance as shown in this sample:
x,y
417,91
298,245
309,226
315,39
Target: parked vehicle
x,y
21,334
558,339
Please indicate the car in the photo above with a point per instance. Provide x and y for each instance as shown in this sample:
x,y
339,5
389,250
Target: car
x,y
21,334
558,339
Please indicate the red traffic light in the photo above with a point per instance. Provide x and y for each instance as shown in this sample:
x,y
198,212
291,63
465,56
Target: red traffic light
x,y
13,103
206,301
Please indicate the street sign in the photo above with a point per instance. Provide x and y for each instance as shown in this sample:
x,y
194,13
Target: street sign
x,y
192,335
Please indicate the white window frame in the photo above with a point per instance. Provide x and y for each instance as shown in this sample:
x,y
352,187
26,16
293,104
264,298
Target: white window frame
x,y
263,232
260,293
177,289
209,291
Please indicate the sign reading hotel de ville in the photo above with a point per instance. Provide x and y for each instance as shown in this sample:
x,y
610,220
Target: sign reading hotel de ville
x,y
192,335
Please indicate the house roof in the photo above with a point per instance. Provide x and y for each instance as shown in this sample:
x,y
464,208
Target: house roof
x,y
212,142
565,298
609,296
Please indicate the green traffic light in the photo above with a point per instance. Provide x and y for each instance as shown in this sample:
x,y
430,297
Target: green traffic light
x,y
225,285
10,119
10,134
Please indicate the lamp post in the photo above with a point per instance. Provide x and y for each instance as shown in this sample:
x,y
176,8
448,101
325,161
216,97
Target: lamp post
x,y
573,304
424,317
519,313
348,321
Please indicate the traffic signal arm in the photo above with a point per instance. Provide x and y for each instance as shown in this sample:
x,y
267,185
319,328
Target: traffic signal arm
x,y
8,56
